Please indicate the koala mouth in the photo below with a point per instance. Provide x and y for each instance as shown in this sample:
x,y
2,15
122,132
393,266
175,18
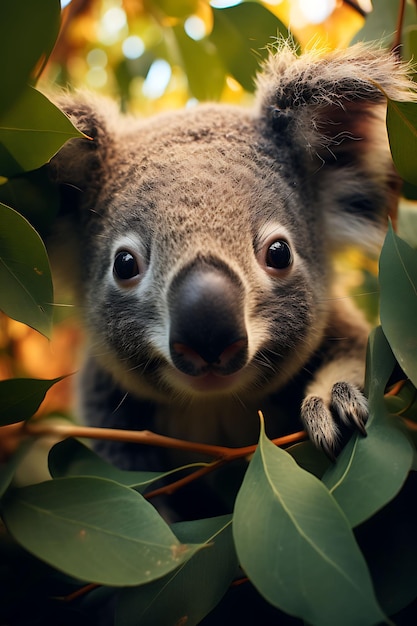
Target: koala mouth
x,y
207,383
207,372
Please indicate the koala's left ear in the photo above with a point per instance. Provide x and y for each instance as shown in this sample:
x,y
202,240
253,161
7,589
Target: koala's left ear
x,y
329,111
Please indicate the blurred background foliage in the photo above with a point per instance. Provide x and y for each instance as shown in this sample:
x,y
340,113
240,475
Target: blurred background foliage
x,y
152,55
158,54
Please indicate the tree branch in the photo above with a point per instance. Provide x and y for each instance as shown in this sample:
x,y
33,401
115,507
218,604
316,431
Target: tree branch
x,y
399,28
146,437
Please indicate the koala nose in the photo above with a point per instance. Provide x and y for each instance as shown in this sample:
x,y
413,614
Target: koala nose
x,y
207,326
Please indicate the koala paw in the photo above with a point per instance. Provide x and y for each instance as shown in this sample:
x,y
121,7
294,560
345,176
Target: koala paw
x,y
327,424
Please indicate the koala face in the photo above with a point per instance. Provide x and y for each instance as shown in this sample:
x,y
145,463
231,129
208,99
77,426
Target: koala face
x,y
199,242
204,263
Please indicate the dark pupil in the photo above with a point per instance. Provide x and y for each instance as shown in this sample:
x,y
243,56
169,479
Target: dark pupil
x,y
278,255
125,265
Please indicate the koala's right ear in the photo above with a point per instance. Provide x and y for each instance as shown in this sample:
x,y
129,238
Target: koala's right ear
x,y
79,166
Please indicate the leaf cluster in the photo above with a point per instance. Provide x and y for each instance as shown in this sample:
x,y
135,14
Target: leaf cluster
x,y
305,541
32,130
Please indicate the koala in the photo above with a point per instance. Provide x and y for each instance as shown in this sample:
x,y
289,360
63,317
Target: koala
x,y
199,247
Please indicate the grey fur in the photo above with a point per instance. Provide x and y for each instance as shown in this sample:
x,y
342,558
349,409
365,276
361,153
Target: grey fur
x,y
207,187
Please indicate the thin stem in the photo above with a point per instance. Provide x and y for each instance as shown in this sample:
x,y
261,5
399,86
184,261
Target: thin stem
x,y
148,438
178,484
79,593
399,28
396,388
144,437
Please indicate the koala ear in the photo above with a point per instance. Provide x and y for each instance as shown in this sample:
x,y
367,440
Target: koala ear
x,y
79,168
81,163
329,111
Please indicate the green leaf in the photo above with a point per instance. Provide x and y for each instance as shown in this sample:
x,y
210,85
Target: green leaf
x,y
398,284
309,457
371,471
20,398
410,44
34,196
177,8
380,22
407,222
404,402
194,589
31,132
402,135
296,545
389,544
241,35
72,458
94,530
26,292
28,31
205,72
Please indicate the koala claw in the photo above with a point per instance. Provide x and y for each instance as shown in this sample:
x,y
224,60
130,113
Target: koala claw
x,y
347,410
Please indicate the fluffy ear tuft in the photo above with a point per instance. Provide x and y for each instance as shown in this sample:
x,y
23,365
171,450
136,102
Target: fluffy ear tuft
x,y
309,90
329,110
80,168
81,162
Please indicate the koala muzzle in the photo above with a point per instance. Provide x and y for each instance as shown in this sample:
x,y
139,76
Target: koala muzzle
x,y
207,326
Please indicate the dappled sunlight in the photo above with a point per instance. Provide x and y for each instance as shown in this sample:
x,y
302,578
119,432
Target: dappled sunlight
x,y
124,48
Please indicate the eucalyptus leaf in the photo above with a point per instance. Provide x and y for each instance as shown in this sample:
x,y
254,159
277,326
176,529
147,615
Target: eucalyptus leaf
x,y
194,589
31,132
95,530
28,31
389,543
404,402
402,135
72,458
398,286
380,22
177,8
407,222
410,44
20,398
309,457
26,292
296,545
371,471
242,34
205,72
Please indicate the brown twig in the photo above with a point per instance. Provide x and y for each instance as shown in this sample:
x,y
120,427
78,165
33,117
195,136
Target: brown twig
x,y
222,454
399,28
148,438
396,388
79,593
231,455
410,424
144,437
168,490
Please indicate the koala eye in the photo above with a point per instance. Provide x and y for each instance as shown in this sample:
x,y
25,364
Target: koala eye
x,y
278,255
125,266
275,256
